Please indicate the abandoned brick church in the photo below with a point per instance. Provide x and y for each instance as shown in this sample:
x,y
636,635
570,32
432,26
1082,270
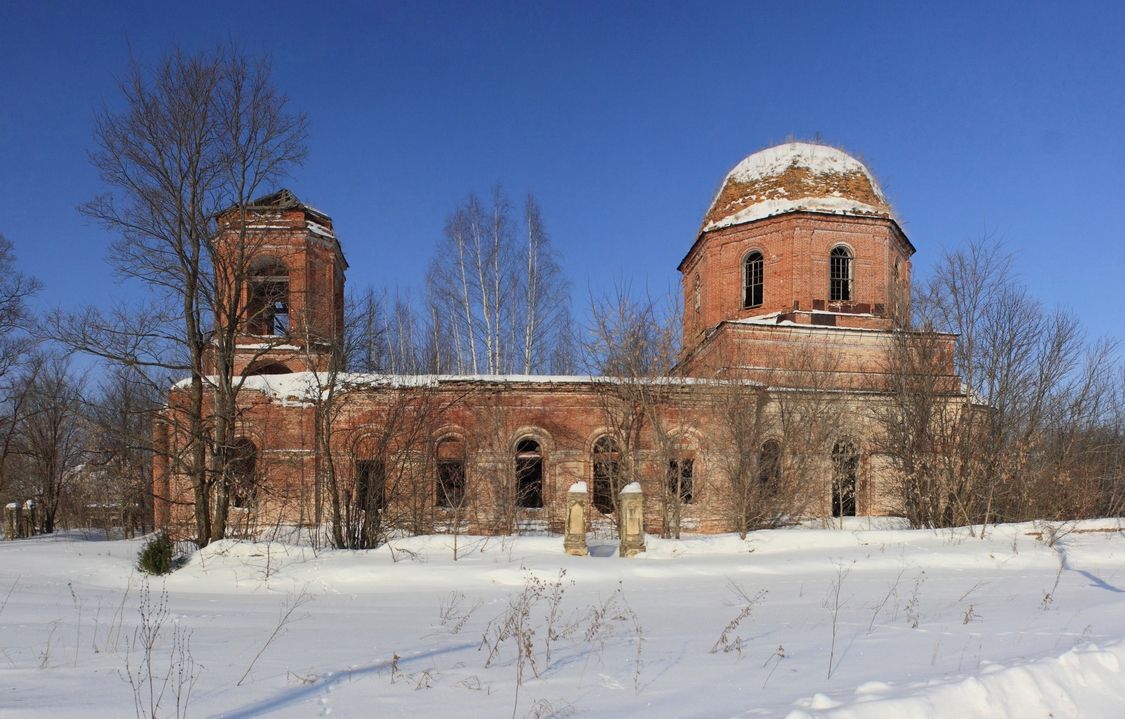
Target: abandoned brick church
x,y
775,410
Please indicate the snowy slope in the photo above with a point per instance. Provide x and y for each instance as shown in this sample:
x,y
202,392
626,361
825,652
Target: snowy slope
x,y
926,624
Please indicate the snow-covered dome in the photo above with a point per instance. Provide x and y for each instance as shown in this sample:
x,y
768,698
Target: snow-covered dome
x,y
794,177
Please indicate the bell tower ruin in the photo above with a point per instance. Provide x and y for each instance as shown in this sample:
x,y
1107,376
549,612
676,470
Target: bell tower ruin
x,y
288,269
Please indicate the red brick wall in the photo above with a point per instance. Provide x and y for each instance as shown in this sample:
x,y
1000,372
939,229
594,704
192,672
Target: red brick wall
x,y
796,248
801,355
565,419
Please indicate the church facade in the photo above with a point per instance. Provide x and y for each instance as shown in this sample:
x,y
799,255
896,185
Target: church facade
x,y
793,290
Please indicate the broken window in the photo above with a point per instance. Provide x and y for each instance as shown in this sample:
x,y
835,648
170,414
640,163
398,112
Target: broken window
x,y
529,474
607,474
268,307
754,281
450,473
845,468
370,485
242,473
267,368
681,477
840,275
769,466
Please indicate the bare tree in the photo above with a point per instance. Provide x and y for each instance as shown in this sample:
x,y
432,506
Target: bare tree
x,y
120,446
632,347
740,409
200,136
1006,445
376,470
497,292
15,343
52,435
776,436
15,289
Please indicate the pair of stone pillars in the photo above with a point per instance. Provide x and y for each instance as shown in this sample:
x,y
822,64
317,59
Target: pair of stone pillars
x,y
630,503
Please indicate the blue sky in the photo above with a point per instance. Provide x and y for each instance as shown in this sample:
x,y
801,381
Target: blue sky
x,y
622,118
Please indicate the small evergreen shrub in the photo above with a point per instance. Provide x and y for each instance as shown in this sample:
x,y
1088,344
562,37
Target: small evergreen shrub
x,y
156,556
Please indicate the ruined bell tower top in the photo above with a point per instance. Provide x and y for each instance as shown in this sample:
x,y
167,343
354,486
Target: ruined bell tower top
x,y
286,262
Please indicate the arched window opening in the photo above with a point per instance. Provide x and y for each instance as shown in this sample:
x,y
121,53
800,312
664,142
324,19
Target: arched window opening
x,y
698,293
769,466
607,474
529,474
450,473
242,468
753,275
845,468
268,307
270,368
840,275
370,485
681,479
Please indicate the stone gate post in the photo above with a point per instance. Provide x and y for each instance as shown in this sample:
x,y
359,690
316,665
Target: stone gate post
x,y
631,505
576,506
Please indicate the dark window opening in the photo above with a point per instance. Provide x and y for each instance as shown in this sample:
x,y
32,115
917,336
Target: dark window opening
x,y
268,307
270,368
529,474
450,473
241,474
840,275
754,280
607,474
681,479
845,468
451,483
769,466
370,485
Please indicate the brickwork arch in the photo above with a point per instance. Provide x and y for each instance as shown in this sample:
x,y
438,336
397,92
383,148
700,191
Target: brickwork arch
x,y
543,437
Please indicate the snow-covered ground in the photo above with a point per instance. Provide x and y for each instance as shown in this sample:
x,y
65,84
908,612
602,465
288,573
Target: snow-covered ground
x,y
868,621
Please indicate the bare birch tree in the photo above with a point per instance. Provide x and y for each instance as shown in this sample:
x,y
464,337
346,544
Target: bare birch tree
x,y
495,285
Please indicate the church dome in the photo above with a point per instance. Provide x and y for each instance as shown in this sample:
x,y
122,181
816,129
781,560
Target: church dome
x,y
796,177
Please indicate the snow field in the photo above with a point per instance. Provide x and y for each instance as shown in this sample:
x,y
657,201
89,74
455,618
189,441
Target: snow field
x,y
925,623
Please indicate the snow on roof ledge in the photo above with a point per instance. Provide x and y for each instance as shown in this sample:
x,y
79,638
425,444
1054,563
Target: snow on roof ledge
x,y
301,388
770,208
